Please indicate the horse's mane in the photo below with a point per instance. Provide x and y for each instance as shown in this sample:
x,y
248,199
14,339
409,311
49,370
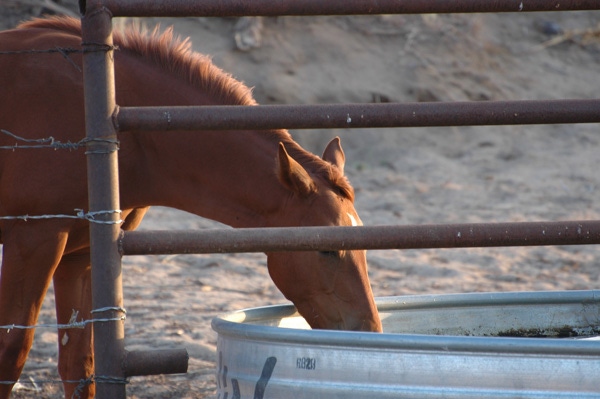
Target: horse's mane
x,y
175,55
168,51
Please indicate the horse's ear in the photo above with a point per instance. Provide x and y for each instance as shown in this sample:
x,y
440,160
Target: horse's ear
x,y
334,154
292,175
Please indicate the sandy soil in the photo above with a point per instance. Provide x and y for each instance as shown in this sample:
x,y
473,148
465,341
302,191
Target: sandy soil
x,y
401,176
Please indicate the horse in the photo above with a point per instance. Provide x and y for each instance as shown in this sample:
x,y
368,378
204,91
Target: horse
x,y
243,179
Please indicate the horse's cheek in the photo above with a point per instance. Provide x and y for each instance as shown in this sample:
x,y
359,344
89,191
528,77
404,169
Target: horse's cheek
x,y
278,272
290,274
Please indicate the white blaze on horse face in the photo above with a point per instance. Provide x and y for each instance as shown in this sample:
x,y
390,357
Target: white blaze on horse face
x,y
353,220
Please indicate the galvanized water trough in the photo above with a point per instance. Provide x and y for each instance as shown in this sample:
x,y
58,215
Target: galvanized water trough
x,y
482,345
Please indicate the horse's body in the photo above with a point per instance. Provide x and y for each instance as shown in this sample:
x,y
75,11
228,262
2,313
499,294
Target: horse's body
x,y
248,179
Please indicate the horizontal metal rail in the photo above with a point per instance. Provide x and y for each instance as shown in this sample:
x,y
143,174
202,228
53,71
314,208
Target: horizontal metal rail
x,y
228,8
358,115
372,237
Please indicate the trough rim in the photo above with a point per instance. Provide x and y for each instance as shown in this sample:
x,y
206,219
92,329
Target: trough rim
x,y
231,326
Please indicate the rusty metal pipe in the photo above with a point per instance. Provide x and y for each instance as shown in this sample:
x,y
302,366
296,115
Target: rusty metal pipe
x,y
358,115
103,191
222,8
372,237
154,362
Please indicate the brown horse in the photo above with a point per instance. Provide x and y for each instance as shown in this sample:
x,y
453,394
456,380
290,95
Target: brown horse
x,y
249,179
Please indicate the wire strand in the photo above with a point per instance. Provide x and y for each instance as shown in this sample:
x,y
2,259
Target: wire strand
x,y
73,323
65,51
50,142
80,214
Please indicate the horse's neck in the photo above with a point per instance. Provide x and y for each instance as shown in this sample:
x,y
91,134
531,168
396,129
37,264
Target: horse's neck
x,y
225,176
228,176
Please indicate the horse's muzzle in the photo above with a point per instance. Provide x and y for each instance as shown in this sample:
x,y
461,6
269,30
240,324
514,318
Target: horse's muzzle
x,y
361,324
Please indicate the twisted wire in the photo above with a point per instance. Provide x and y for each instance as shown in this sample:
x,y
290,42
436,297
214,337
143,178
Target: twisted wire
x,y
80,214
51,142
66,51
73,323
81,384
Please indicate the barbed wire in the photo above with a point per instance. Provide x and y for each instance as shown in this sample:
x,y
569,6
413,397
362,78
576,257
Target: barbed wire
x,y
93,379
73,323
51,142
80,214
81,384
66,51
89,47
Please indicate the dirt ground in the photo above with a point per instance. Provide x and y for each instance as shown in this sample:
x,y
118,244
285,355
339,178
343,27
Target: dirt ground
x,y
401,176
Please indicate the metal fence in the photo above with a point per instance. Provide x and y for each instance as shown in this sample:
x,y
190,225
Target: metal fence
x,y
103,118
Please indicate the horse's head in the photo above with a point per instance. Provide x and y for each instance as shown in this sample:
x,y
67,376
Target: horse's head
x,y
330,289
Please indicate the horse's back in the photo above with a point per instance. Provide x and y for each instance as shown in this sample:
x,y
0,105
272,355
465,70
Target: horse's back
x,y
41,86
40,70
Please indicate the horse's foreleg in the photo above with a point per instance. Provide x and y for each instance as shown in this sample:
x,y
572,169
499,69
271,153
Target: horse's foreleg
x,y
72,290
28,262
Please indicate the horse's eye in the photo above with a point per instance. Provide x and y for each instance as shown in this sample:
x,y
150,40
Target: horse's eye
x,y
330,254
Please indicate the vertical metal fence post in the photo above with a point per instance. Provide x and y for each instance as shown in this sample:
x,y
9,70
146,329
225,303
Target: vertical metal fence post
x,y
103,190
